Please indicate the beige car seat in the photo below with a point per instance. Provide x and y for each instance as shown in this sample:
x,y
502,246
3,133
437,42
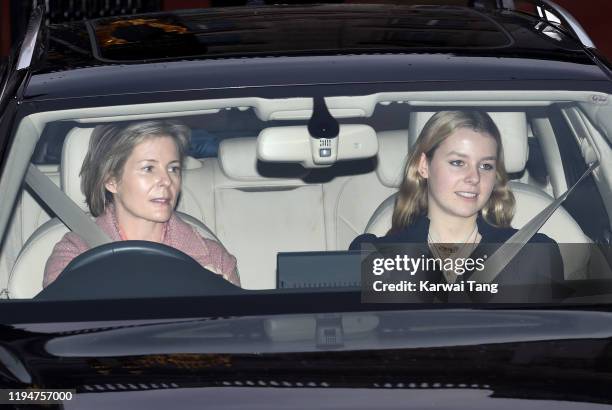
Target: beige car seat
x,y
262,209
358,196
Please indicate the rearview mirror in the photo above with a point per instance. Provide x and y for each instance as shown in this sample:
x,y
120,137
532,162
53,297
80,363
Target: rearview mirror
x,y
295,144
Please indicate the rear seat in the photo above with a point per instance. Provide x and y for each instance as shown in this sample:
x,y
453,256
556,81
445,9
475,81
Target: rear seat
x,y
257,211
359,195
257,214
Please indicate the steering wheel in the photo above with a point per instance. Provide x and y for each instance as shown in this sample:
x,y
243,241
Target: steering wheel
x,y
133,269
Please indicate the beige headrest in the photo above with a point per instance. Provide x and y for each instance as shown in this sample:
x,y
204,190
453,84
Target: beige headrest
x,y
74,150
73,153
392,156
238,161
513,129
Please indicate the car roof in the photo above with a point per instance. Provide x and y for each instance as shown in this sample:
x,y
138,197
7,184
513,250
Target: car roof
x,y
365,43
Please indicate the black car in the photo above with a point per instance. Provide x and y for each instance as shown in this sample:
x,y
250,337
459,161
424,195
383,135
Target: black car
x,y
303,122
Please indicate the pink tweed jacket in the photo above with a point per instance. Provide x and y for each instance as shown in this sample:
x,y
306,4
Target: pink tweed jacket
x,y
178,234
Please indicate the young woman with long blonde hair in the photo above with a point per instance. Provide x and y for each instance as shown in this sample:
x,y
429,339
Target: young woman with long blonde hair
x,y
455,196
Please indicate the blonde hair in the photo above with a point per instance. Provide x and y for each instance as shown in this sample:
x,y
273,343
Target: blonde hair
x,y
411,201
109,148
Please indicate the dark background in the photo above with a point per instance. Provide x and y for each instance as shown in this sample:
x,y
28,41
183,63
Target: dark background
x,y
593,15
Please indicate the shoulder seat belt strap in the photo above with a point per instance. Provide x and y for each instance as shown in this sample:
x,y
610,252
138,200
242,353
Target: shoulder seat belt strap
x,y
65,209
505,253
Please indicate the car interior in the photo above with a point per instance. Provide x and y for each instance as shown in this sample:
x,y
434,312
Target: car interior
x,y
258,203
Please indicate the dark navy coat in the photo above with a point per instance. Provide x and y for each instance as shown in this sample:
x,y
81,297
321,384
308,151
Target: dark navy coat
x,y
535,274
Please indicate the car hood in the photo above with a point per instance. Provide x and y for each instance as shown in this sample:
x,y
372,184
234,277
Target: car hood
x,y
504,353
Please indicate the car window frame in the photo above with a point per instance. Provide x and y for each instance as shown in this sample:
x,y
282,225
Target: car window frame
x,y
3,73
570,155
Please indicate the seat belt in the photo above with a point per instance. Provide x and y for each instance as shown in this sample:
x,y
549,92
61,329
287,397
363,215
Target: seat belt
x,y
65,208
505,253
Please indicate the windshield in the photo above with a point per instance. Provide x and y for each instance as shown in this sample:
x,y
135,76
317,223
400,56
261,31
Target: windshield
x,y
400,197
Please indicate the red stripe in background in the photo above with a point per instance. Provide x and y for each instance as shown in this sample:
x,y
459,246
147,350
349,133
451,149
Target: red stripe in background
x,y
594,17
168,5
5,27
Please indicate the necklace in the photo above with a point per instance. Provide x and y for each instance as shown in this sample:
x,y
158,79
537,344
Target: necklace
x,y
443,251
448,249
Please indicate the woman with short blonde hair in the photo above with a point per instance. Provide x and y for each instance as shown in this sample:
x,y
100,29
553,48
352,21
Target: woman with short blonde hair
x,y
131,177
109,148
